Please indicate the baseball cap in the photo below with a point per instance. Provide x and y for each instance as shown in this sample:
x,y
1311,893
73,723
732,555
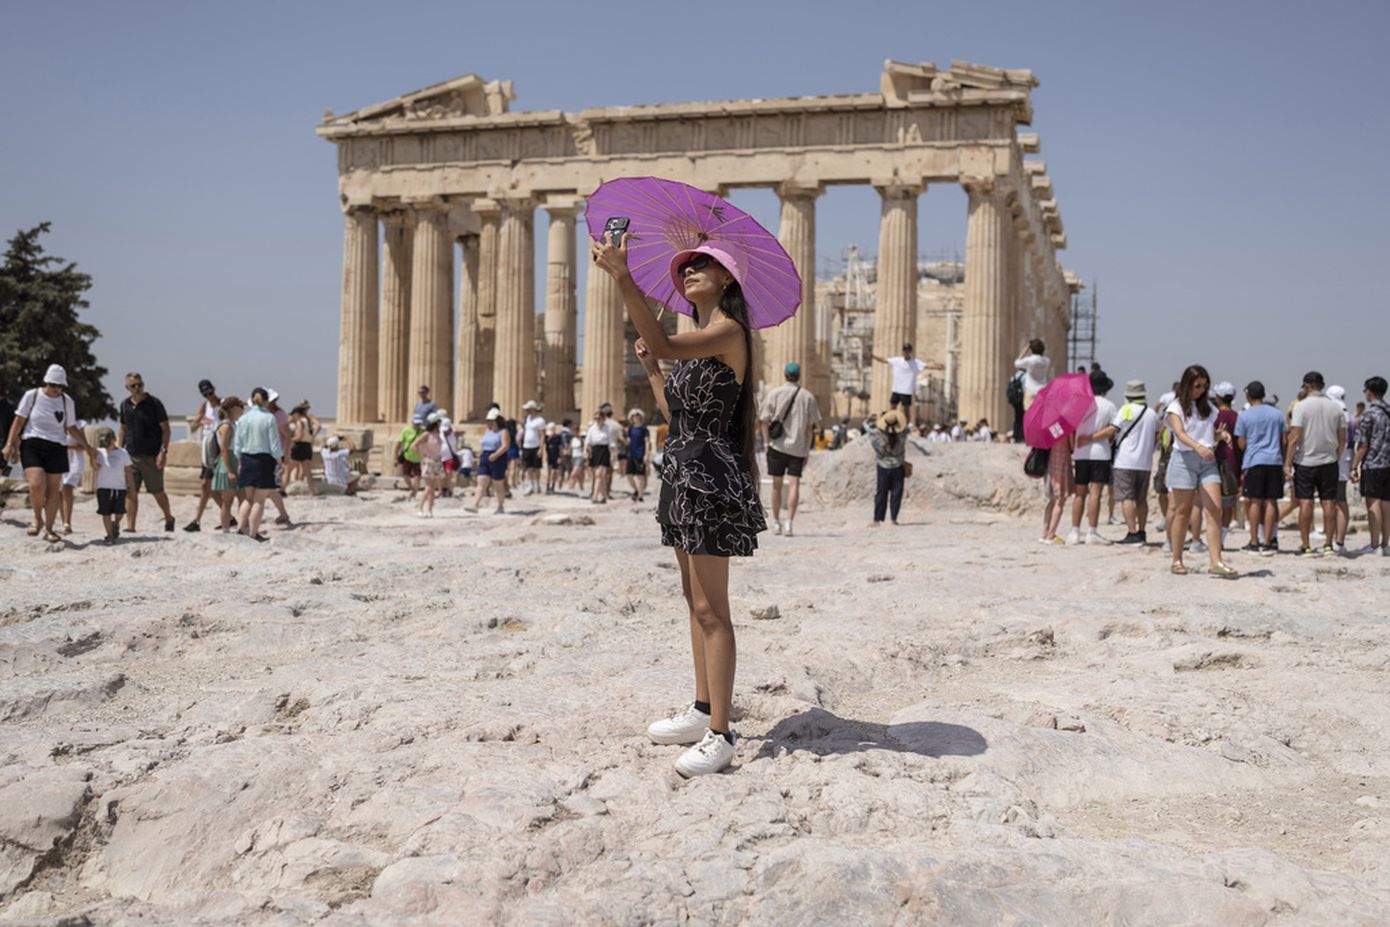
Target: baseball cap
x,y
1225,389
205,388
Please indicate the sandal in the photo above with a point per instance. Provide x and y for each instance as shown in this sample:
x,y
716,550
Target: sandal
x,y
33,531
1178,569
1224,571
52,537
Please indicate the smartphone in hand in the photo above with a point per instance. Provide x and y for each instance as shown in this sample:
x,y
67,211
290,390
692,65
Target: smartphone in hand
x,y
615,228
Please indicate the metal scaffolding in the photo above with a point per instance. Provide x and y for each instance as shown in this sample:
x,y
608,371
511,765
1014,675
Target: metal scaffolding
x,y
1081,341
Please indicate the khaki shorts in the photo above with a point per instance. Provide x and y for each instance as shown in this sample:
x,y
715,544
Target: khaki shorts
x,y
147,475
1131,485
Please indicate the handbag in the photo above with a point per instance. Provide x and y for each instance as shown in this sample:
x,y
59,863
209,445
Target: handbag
x,y
907,469
1230,483
774,428
1035,464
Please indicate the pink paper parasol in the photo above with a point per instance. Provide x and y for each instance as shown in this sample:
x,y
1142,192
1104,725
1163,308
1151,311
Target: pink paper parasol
x,y
1057,410
668,217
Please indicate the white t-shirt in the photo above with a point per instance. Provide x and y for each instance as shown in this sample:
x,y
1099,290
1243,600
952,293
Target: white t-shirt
x,y
335,466
957,433
206,418
1201,430
1035,369
598,435
905,374
986,434
111,466
466,458
1138,423
47,418
577,447
533,431
1101,415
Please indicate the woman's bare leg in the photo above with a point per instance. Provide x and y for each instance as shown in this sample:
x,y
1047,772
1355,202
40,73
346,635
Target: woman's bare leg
x,y
709,585
1179,513
1211,506
697,638
38,483
67,493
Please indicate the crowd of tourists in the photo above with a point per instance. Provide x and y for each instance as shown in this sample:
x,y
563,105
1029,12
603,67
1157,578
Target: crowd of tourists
x,y
1216,468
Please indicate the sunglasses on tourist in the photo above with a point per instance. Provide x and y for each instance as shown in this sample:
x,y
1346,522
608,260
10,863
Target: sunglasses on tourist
x,y
699,262
138,384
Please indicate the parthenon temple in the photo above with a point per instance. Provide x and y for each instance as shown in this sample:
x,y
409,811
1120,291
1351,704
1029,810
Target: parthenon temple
x,y
439,190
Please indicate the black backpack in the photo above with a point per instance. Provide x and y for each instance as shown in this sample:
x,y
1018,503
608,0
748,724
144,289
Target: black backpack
x,y
1014,391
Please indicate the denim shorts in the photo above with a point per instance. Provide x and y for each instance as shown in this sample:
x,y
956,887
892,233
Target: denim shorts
x,y
1187,469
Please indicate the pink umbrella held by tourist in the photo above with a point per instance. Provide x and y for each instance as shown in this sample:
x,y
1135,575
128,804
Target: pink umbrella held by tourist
x,y
698,255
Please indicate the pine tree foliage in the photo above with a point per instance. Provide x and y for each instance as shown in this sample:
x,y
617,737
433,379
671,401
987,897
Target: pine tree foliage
x,y
40,298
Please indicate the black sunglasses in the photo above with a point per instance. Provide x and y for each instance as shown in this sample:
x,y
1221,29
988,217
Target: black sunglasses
x,y
136,385
699,262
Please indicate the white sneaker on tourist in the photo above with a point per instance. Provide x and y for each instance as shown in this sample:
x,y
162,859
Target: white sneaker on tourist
x,y
683,727
1093,537
1074,536
1198,547
1161,526
1224,533
776,526
1111,520
710,755
1167,545
787,529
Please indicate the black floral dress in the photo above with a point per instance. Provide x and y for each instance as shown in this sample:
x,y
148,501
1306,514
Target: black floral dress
x,y
708,504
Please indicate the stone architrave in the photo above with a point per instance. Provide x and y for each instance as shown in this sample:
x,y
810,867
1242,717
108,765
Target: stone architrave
x,y
604,373
432,302
513,376
358,333
561,328
795,339
983,380
393,358
468,404
489,214
895,313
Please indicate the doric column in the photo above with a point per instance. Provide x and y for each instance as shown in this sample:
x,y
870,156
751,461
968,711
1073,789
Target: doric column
x,y
895,309
468,404
986,250
394,394
513,375
432,302
489,215
603,344
357,333
560,318
795,339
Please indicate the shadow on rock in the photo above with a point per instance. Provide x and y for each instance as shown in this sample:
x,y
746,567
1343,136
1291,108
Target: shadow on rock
x,y
822,732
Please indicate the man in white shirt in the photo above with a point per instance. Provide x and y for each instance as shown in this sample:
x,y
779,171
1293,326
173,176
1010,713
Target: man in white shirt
x,y
1137,429
1091,460
905,370
532,441
336,473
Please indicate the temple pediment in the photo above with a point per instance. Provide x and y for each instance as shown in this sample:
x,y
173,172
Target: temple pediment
x,y
468,95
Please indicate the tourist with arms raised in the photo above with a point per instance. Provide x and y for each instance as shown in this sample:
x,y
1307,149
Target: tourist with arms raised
x,y
709,509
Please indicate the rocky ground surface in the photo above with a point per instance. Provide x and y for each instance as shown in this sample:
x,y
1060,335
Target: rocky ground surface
x,y
379,719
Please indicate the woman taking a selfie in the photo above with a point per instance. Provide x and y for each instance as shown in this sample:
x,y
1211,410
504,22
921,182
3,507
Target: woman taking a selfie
x,y
709,509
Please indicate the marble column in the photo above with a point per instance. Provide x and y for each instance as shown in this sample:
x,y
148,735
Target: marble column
x,y
432,303
394,392
468,403
358,332
986,274
895,312
561,329
795,339
513,375
604,346
489,214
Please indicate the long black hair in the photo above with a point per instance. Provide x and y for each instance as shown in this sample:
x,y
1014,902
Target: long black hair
x,y
1185,390
733,305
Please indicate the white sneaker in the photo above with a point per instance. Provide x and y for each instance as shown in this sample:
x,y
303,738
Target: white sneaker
x,y
1225,532
684,727
1110,520
787,530
1161,526
1198,547
1093,537
1167,546
776,526
1074,536
710,755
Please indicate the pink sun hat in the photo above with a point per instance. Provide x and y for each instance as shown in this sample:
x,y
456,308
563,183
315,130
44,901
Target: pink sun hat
x,y
725,257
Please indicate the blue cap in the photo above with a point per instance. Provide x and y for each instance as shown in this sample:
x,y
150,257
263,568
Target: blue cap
x,y
792,370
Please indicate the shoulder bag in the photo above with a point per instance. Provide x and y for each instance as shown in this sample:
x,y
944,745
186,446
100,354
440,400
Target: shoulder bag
x,y
774,428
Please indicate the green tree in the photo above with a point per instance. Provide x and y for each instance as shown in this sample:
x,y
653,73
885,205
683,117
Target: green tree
x,y
40,298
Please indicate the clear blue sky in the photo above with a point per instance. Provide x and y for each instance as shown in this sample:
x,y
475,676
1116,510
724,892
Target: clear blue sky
x,y
1220,167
